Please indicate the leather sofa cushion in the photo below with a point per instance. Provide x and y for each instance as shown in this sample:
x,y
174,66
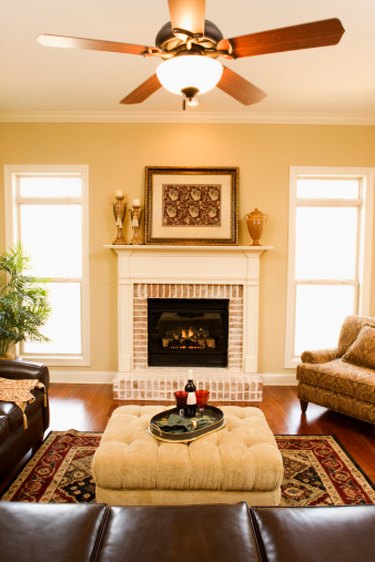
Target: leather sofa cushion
x,y
50,532
333,533
220,533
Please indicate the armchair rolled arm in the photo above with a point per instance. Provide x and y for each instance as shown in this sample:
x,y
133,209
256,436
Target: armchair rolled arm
x,y
320,355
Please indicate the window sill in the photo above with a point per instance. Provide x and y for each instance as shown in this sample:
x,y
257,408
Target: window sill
x,y
58,360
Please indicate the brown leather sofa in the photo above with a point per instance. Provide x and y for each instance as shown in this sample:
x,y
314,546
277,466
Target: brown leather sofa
x,y
15,440
196,533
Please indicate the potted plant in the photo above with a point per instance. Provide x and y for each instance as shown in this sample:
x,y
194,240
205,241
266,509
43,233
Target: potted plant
x,y
24,306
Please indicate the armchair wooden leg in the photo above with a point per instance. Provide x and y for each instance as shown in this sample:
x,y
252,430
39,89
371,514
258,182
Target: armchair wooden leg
x,y
304,404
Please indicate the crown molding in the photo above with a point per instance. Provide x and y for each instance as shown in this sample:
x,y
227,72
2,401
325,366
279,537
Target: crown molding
x,y
189,117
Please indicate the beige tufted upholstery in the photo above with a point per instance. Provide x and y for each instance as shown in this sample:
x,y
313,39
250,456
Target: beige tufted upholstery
x,y
241,461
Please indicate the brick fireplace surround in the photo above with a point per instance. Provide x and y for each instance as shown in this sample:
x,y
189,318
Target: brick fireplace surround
x,y
228,272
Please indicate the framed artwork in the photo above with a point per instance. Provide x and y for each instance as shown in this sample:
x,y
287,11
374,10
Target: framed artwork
x,y
191,206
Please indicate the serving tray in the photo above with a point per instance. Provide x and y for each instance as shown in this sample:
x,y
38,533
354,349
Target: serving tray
x,y
212,419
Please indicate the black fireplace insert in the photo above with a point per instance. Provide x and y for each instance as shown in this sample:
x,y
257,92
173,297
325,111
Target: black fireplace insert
x,y
188,332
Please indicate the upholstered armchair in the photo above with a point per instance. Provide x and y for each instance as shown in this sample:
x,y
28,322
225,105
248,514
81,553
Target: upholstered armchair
x,y
343,378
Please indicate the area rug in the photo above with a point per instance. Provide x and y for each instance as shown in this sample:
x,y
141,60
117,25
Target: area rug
x,y
317,472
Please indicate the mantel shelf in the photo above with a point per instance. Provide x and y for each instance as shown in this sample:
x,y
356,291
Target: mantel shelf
x,y
185,249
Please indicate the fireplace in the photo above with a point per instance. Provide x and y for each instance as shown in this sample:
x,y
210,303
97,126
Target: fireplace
x,y
187,332
147,272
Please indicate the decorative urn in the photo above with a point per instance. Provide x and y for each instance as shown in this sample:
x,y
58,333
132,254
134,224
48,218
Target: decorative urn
x,y
255,223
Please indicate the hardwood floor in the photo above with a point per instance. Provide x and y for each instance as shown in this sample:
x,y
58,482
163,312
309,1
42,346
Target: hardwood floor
x,y
88,407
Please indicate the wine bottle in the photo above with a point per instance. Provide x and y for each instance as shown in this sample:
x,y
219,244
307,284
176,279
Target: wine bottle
x,y
191,400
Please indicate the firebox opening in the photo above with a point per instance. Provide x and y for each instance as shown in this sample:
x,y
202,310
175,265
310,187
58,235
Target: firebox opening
x,y
188,332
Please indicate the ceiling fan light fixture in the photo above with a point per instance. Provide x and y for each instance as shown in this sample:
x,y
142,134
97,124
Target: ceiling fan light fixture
x,y
190,98
189,71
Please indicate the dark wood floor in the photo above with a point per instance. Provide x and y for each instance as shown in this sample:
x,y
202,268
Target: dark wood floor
x,y
87,407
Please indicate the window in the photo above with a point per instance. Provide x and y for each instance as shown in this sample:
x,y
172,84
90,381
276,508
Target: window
x,y
47,211
329,259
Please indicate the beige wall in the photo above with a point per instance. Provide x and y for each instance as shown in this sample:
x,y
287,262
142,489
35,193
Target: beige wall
x,y
117,155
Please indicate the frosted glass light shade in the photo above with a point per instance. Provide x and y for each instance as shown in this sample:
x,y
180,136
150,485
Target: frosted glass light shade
x,y
189,71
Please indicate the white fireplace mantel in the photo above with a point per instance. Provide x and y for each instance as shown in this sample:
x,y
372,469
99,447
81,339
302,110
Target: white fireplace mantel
x,y
201,265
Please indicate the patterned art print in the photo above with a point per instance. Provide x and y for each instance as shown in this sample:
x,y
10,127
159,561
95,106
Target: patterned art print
x,y
192,205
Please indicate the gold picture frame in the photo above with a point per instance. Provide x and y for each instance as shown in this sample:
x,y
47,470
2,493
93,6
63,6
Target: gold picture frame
x,y
191,206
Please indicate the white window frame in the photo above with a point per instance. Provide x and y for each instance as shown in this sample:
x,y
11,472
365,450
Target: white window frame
x,y
363,280
11,175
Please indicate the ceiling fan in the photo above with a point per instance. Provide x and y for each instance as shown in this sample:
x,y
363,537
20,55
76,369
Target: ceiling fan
x,y
190,46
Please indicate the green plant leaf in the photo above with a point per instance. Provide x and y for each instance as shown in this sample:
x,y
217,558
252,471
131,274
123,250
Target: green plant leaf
x,y
24,306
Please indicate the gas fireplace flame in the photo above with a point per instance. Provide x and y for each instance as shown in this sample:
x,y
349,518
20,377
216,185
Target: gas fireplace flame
x,y
188,338
188,333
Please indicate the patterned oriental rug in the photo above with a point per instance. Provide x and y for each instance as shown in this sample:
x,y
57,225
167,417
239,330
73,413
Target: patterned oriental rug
x,y
317,472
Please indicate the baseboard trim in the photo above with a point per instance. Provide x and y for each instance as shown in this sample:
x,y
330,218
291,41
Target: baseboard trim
x,y
279,379
82,377
107,377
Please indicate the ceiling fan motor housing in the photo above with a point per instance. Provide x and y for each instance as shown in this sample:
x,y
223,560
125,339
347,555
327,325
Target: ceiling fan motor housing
x,y
171,43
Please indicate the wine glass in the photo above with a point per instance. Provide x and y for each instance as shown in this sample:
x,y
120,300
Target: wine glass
x,y
202,399
181,397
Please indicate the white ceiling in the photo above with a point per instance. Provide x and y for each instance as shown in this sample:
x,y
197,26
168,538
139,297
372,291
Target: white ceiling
x,y
330,84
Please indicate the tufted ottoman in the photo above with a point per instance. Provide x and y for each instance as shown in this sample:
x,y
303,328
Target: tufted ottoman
x,y
240,462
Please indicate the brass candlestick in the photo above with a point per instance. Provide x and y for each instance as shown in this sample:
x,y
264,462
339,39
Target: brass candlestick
x,y
136,217
119,212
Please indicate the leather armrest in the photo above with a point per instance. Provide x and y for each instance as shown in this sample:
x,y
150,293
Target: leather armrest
x,y
4,428
24,370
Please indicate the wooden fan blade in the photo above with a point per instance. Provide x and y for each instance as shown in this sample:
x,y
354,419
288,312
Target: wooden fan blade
x,y
304,36
188,15
239,88
144,91
67,42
